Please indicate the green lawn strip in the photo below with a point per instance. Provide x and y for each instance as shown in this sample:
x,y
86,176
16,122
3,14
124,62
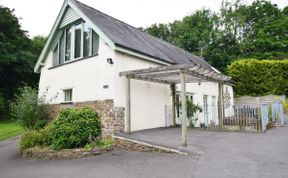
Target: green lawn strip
x,y
9,129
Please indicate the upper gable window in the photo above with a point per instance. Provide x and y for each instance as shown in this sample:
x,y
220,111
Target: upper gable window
x,y
76,42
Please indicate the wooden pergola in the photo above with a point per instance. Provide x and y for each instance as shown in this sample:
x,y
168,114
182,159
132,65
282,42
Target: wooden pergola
x,y
171,75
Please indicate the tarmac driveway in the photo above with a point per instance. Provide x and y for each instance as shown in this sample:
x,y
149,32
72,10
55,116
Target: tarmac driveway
x,y
228,154
213,154
111,165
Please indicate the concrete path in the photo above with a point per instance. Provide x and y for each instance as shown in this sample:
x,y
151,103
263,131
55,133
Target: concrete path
x,y
213,154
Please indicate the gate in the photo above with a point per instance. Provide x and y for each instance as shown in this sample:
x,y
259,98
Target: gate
x,y
277,113
244,118
264,116
255,118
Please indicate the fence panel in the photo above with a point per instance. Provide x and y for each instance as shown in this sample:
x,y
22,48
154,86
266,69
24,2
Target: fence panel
x,y
243,118
264,116
277,112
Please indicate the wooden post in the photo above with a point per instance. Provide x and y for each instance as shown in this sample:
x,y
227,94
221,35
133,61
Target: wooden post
x,y
184,109
220,104
173,93
128,107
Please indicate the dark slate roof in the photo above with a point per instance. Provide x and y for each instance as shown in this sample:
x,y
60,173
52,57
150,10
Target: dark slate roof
x,y
126,36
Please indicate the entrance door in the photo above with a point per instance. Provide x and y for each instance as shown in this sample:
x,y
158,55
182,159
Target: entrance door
x,y
189,96
205,109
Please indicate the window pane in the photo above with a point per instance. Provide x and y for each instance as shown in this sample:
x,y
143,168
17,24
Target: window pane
x,y
86,41
55,56
68,45
77,48
61,50
68,95
95,43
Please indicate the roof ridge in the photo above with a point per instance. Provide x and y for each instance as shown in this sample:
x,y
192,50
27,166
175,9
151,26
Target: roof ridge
x,y
159,39
176,54
107,15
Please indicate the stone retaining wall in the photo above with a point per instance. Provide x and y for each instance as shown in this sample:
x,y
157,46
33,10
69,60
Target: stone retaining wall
x,y
133,145
112,118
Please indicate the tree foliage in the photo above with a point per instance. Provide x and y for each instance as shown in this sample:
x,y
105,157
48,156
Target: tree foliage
x,y
18,55
259,77
259,31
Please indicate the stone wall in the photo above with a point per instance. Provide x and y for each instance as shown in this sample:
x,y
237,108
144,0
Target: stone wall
x,y
134,145
112,118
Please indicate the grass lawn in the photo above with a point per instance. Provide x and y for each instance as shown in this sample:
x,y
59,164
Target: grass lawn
x,y
9,129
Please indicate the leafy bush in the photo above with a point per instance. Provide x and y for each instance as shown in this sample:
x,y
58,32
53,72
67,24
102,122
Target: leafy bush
x,y
99,144
259,77
103,143
30,111
35,138
285,105
74,128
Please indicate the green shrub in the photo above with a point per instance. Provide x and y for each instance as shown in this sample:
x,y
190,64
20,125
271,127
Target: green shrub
x,y
285,105
35,138
259,77
103,143
100,144
74,128
30,111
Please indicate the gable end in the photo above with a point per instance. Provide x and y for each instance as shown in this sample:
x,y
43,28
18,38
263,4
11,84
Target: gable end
x,y
70,17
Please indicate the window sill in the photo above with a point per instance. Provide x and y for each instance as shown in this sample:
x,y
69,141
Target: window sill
x,y
72,61
67,103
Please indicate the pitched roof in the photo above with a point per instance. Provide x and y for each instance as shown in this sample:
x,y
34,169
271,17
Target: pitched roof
x,y
131,38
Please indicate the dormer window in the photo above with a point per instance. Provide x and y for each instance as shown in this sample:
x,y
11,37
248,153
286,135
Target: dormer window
x,y
76,42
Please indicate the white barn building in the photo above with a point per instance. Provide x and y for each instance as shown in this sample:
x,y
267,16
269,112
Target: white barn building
x,y
84,54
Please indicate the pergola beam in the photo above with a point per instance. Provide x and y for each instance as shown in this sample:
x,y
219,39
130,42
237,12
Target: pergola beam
x,y
157,69
151,79
153,74
192,73
160,75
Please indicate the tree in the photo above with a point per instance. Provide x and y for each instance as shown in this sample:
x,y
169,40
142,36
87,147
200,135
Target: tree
x,y
18,55
238,30
266,31
161,31
194,32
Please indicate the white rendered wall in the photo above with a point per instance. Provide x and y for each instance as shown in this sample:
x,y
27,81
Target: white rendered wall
x,y
87,78
148,99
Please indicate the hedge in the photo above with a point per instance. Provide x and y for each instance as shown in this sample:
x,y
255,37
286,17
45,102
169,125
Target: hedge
x,y
259,77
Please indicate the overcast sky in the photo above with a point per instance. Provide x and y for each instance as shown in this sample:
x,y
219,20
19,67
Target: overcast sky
x,y
38,16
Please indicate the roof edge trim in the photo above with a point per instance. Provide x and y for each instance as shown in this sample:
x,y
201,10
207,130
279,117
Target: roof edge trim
x,y
140,55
